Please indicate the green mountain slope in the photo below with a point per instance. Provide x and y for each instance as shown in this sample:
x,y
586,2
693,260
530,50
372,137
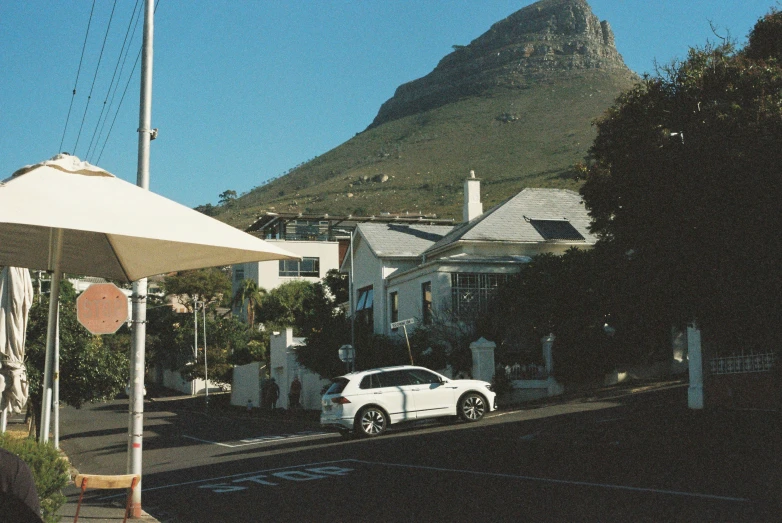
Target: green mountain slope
x,y
516,106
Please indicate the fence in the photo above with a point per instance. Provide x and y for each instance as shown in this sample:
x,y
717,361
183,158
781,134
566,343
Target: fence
x,y
738,363
530,371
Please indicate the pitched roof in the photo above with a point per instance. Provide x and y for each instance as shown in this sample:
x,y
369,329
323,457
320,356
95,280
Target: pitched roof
x,y
515,220
401,240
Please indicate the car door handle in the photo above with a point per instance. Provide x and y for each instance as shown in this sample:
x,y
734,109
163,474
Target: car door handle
x,y
377,393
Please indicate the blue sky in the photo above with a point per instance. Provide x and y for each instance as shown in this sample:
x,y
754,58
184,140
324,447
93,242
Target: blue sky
x,y
244,90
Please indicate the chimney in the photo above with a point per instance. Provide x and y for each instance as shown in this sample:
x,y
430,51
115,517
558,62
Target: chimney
x,y
472,198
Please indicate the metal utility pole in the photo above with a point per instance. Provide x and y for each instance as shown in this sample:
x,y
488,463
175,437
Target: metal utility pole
x,y
202,304
139,316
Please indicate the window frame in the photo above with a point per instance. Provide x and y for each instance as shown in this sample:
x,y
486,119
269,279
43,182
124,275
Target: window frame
x,y
426,303
393,306
293,268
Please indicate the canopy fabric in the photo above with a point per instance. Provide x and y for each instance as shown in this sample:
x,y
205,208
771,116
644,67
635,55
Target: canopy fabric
x,y
16,298
111,228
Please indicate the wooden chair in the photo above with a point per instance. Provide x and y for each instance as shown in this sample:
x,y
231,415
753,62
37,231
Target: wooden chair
x,y
128,481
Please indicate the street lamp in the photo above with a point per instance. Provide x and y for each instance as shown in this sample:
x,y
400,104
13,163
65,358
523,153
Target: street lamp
x,y
202,305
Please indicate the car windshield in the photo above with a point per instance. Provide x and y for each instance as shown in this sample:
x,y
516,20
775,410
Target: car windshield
x,y
337,385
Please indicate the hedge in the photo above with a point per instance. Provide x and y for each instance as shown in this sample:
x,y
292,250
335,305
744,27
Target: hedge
x,y
49,469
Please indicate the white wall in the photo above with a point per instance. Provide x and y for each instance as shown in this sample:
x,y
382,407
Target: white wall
x,y
368,269
408,285
246,385
284,367
172,379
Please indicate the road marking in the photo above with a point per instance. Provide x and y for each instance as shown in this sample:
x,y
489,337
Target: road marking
x,y
307,474
262,439
562,481
288,473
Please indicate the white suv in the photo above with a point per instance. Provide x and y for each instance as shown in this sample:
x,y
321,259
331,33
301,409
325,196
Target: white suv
x,y
367,402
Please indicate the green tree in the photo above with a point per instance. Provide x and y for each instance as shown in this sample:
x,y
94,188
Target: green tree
x,y
210,285
338,285
226,197
249,295
208,209
569,296
92,368
683,183
299,304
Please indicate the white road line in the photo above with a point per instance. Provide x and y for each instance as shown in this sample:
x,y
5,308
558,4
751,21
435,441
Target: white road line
x,y
562,481
260,440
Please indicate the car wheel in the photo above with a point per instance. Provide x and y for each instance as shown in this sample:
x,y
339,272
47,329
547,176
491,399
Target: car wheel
x,y
471,407
371,421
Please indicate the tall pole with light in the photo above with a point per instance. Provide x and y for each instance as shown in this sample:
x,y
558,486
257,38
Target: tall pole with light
x,y
139,298
202,306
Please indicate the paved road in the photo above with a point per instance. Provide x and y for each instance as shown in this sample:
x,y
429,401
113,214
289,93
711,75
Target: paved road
x,y
620,457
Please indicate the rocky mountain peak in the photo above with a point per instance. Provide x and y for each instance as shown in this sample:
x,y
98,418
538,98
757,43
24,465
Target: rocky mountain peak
x,y
546,39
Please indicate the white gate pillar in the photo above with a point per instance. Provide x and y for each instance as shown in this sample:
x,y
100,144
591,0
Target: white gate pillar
x,y
694,351
554,388
483,359
548,358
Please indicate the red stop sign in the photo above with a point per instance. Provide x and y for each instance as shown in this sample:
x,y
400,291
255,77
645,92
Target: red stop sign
x,y
102,308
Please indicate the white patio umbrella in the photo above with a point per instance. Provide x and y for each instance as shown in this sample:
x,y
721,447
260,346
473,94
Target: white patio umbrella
x,y
16,298
111,228
65,215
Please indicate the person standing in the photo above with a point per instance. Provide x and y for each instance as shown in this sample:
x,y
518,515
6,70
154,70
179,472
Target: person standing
x,y
295,393
18,497
274,393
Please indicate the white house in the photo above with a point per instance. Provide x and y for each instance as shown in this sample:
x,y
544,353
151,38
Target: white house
x,y
320,239
318,257
404,271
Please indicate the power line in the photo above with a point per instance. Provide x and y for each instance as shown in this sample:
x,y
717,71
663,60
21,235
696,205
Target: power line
x,y
125,49
95,77
78,71
119,106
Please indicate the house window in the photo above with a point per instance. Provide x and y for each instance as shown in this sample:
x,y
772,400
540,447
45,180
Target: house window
x,y
393,306
426,302
238,273
305,267
365,305
471,293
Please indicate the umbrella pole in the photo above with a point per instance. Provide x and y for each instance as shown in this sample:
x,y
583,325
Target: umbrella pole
x,y
54,298
56,386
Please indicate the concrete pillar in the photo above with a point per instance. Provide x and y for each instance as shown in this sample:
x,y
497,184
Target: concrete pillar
x,y
548,358
483,359
694,351
553,388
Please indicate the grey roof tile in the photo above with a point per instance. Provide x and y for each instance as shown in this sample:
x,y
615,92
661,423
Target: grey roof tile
x,y
509,221
400,240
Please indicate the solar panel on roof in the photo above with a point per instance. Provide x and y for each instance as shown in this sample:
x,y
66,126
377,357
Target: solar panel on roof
x,y
557,230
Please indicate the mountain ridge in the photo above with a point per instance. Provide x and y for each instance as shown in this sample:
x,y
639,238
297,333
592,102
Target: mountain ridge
x,y
515,105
